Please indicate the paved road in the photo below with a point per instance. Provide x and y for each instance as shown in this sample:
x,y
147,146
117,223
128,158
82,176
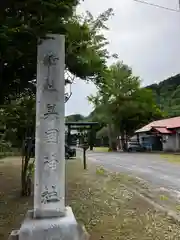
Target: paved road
x,y
150,167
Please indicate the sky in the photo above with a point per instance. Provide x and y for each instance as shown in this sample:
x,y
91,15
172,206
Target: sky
x,y
144,37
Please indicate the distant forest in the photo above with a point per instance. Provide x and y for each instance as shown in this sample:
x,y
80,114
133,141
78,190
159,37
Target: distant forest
x,y
167,95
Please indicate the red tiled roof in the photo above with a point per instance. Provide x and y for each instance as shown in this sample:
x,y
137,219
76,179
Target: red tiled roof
x,y
163,130
166,123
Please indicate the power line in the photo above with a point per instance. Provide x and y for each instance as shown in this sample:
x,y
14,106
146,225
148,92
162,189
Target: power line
x,y
159,6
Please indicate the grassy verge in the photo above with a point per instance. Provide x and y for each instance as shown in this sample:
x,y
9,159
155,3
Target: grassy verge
x,y
100,200
12,206
109,210
173,158
12,153
101,149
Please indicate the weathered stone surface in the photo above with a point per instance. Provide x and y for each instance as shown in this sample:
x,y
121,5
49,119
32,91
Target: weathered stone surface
x,y
14,235
60,228
49,193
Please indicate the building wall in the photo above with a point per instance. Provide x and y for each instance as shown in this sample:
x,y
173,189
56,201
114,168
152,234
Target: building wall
x,y
145,138
170,143
141,136
178,130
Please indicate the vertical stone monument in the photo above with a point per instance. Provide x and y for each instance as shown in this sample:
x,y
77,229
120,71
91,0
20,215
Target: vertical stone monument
x,y
50,219
50,128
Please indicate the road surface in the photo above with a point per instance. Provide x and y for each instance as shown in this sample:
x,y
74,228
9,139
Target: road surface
x,y
150,167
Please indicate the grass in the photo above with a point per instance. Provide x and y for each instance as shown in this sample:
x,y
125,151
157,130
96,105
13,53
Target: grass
x,y
101,149
173,158
12,206
100,200
109,210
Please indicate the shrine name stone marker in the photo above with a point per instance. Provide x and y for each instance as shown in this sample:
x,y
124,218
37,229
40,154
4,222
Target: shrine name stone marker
x,y
49,157
50,219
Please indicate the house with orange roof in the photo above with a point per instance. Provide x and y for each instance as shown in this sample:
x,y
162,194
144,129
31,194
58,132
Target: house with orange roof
x,y
161,135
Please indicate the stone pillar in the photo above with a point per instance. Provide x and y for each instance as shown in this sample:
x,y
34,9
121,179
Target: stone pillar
x,y
50,219
50,130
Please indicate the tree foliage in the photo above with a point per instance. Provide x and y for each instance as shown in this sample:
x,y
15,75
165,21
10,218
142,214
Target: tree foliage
x,y
86,46
167,95
122,102
23,23
18,119
75,118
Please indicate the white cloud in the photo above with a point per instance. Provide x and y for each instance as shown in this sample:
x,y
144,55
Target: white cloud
x,y
144,37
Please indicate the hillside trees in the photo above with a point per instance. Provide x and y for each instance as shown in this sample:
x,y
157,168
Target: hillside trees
x,y
167,95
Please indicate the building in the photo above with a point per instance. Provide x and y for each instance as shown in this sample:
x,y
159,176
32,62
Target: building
x,y
161,135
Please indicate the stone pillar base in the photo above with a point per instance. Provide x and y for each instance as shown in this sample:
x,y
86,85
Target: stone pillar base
x,y
58,228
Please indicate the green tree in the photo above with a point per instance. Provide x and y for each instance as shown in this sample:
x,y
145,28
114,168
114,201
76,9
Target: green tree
x,y
75,118
18,119
24,23
122,103
134,112
102,114
167,95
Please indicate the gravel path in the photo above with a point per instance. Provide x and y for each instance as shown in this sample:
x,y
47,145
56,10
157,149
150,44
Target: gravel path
x,y
150,167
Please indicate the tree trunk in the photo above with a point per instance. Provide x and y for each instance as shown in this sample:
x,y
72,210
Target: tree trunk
x,y
26,179
112,141
123,141
119,143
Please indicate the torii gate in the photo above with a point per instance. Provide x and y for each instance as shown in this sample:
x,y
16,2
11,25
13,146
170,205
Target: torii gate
x,y
90,126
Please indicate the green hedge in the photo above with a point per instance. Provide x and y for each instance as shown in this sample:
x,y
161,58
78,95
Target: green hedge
x,y
9,154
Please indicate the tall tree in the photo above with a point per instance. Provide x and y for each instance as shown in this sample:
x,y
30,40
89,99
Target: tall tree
x,y
123,103
102,114
23,23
